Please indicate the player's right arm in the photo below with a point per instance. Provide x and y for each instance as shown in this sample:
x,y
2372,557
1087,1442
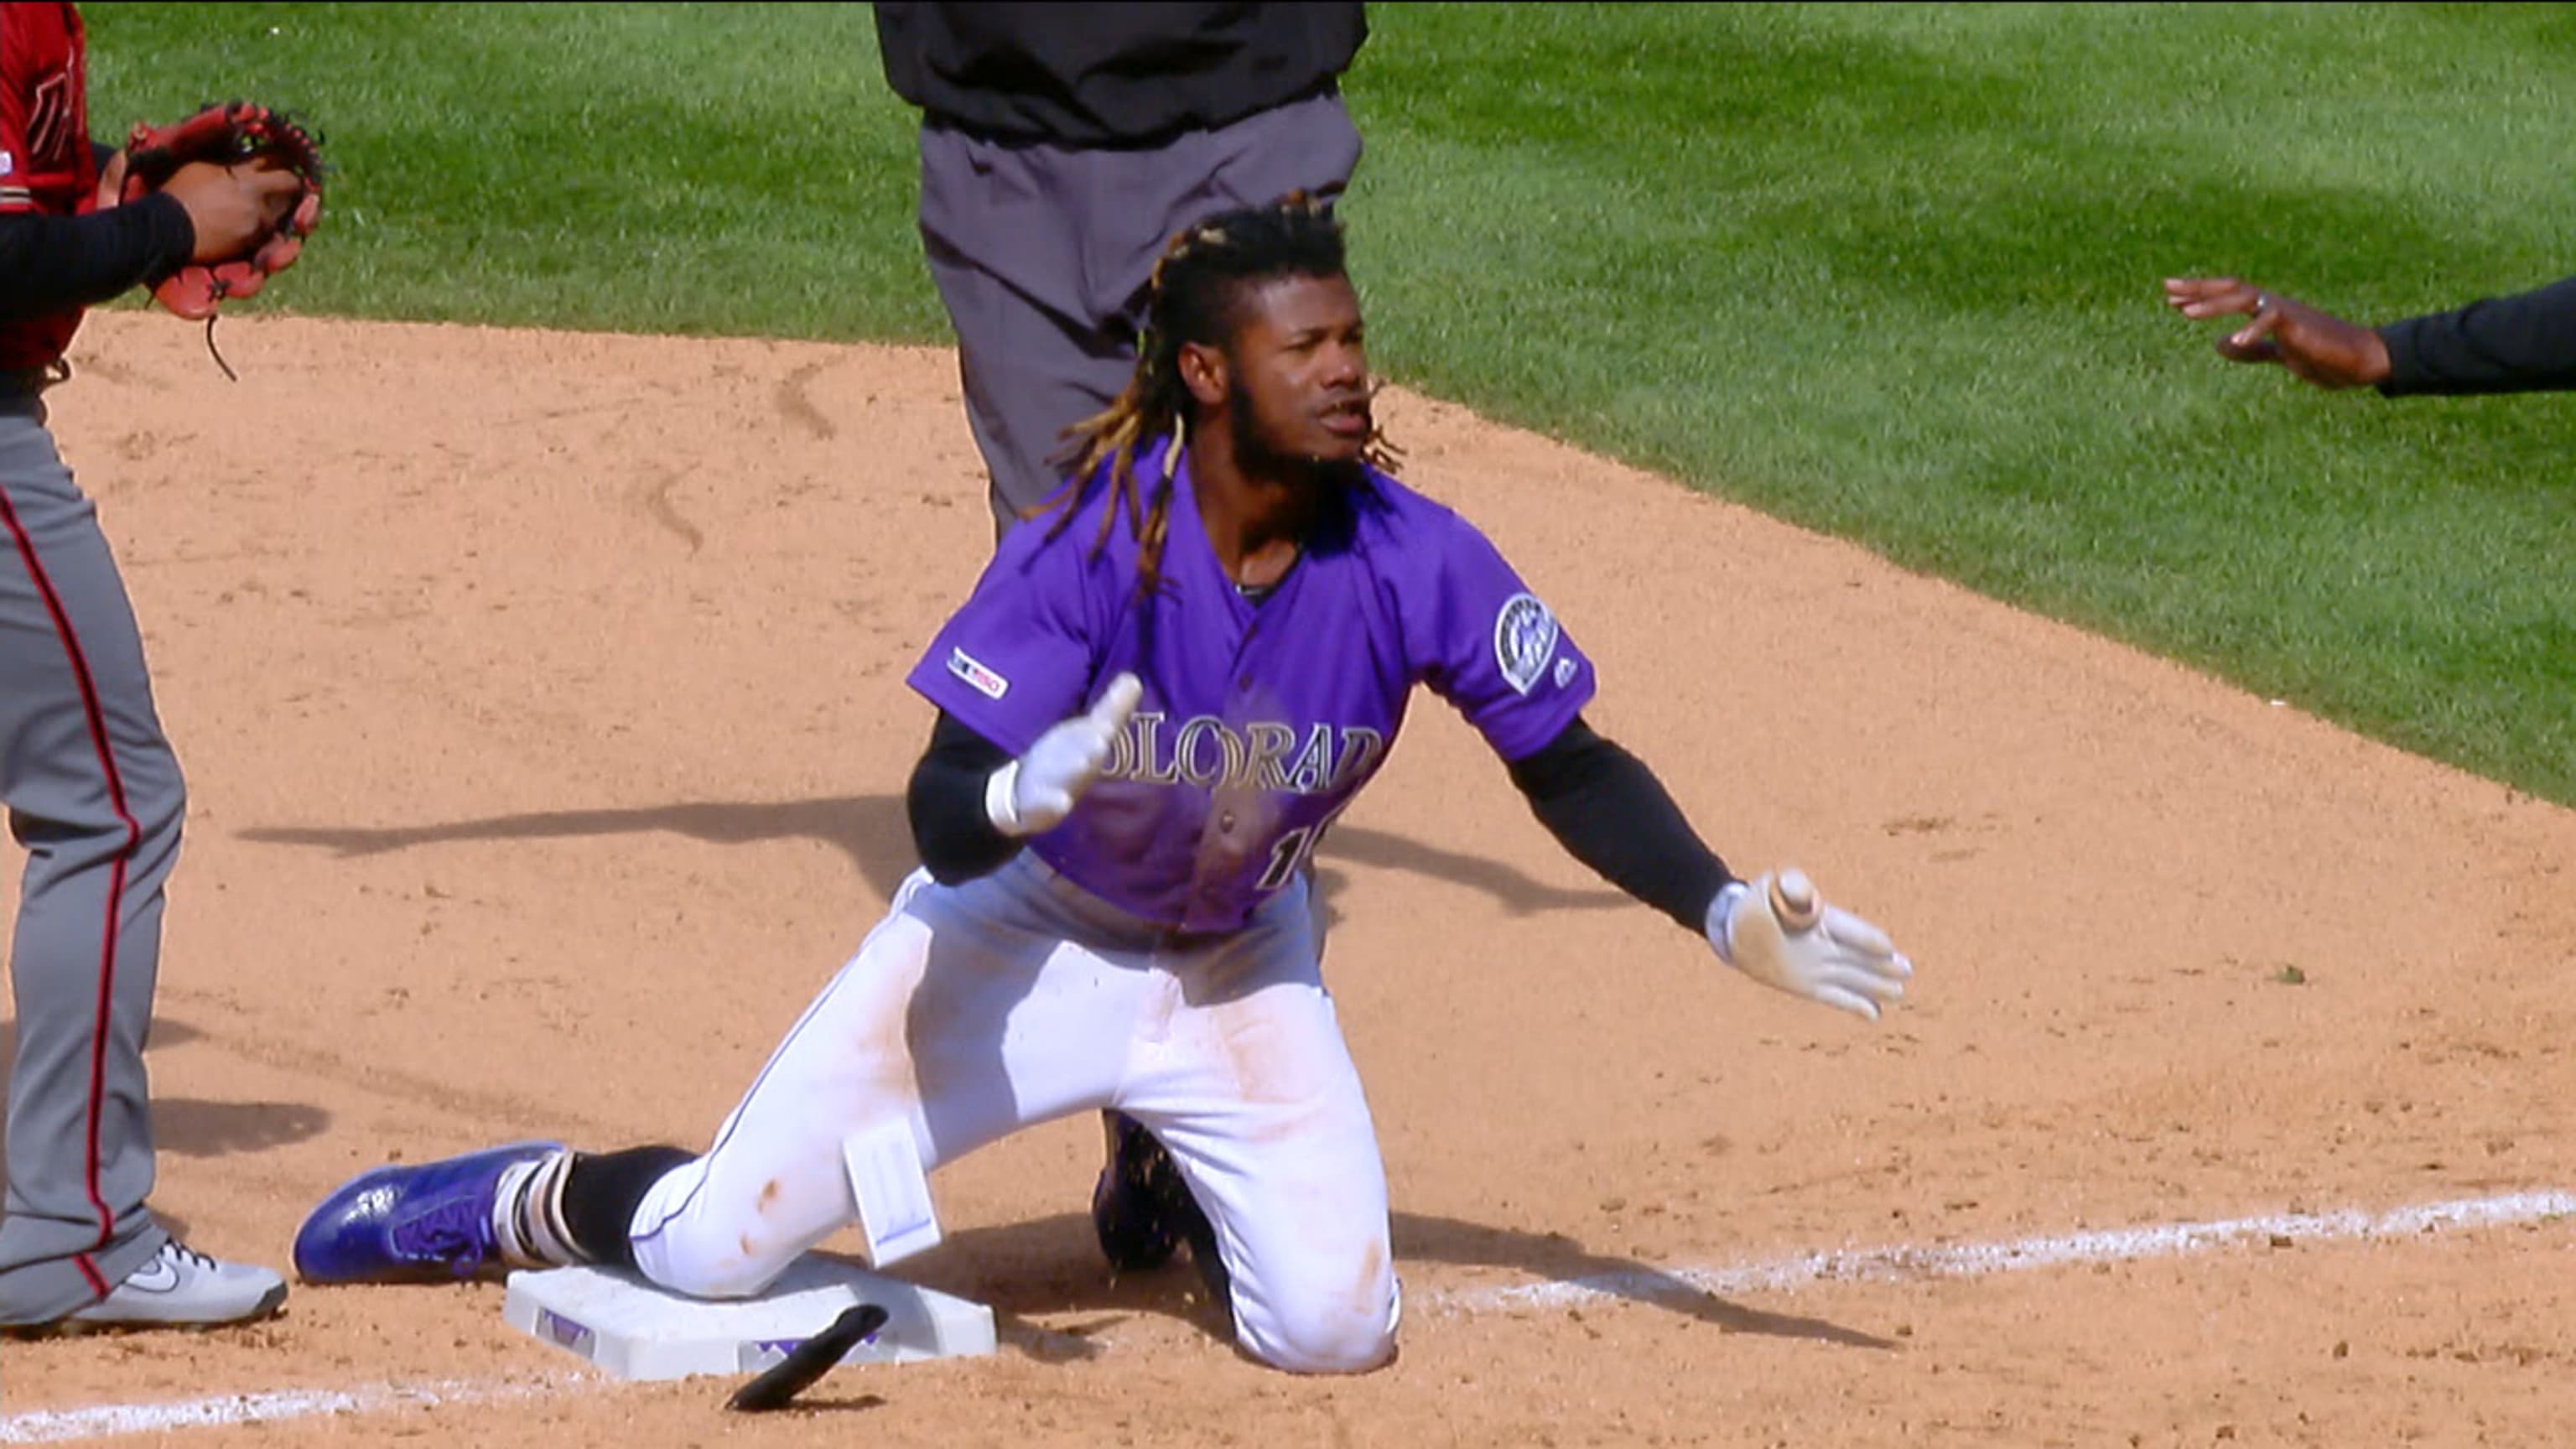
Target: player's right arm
x,y
2521,343
51,264
1020,734
972,802
951,829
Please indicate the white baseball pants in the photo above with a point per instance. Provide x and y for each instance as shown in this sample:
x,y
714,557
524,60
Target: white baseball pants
x,y
1017,998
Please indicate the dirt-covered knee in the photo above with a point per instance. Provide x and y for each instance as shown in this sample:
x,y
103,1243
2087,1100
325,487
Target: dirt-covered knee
x,y
1324,1333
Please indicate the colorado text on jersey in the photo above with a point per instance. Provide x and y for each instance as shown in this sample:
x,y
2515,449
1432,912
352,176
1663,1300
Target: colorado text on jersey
x,y
1266,755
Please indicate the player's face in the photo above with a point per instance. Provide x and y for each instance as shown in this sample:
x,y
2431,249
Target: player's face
x,y
1300,363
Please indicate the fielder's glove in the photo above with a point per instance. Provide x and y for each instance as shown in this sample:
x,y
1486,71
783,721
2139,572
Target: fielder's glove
x,y
1777,931
228,135
1036,791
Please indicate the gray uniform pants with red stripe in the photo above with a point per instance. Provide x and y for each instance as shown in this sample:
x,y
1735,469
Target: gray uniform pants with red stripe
x,y
95,796
1042,254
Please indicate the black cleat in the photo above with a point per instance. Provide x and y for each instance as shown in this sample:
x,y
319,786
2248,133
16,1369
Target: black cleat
x,y
1142,1210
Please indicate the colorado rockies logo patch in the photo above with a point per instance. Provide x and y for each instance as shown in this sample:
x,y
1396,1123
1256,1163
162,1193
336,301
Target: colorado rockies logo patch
x,y
1524,637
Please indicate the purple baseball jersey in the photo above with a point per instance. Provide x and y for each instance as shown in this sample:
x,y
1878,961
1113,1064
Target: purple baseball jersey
x,y
1261,721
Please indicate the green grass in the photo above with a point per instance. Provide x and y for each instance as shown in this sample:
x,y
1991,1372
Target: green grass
x,y
736,170
1888,271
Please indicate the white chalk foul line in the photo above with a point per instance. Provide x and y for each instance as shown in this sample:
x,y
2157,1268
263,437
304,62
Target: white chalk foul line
x,y
1894,1263
110,1421
1973,1260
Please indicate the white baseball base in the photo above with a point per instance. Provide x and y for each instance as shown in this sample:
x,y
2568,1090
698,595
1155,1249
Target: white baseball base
x,y
632,1330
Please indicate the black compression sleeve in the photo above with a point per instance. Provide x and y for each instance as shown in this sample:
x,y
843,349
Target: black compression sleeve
x,y
957,840
2524,343
50,264
601,1193
1610,812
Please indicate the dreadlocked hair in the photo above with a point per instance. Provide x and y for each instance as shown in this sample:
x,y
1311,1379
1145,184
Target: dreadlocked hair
x,y
1196,287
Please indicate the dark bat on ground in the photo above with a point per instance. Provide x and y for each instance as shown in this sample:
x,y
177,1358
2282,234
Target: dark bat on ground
x,y
779,1384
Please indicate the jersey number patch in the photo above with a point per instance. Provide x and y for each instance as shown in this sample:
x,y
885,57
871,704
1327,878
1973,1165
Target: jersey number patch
x,y
1293,848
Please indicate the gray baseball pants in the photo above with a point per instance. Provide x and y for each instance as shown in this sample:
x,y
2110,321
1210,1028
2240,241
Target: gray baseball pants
x,y
1042,255
94,794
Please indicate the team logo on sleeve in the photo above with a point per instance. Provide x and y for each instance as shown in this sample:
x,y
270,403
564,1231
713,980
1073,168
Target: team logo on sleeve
x,y
1524,637
977,676
49,118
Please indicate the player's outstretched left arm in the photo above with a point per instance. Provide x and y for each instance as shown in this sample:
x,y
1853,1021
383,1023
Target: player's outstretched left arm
x,y
2315,345
1610,812
2521,343
1778,931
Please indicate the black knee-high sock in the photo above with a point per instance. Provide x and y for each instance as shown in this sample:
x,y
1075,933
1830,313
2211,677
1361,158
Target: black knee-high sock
x,y
602,1191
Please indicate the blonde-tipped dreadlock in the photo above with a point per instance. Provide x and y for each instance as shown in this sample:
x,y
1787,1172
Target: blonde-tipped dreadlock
x,y
1192,298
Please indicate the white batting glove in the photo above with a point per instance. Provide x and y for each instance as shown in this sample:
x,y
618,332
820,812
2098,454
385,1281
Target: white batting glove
x,y
1036,791
1777,931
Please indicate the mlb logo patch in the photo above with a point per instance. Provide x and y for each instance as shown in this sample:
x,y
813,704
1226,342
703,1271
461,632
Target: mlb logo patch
x,y
977,676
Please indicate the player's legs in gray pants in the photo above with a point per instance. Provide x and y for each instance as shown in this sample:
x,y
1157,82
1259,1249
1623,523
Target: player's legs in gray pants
x,y
1042,255
94,794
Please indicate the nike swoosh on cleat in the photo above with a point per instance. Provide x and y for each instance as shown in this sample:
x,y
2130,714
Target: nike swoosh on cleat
x,y
156,1276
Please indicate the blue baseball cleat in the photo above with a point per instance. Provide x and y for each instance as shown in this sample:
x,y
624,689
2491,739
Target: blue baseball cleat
x,y
428,1223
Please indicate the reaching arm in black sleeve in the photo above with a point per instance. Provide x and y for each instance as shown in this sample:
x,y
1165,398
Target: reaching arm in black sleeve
x,y
955,836
1610,812
51,264
2523,343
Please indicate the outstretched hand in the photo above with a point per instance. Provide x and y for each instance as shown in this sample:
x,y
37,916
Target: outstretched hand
x,y
2322,348
1780,932
1036,791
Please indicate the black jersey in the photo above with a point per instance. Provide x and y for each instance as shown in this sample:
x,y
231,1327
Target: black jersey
x,y
1115,75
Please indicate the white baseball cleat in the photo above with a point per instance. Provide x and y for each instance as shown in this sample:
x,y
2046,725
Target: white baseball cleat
x,y
179,1287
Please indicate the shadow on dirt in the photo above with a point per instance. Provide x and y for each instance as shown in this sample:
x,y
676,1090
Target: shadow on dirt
x,y
190,1126
873,831
1051,1268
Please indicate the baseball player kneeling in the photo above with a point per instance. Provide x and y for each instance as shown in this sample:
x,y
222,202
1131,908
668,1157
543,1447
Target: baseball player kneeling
x,y
1155,703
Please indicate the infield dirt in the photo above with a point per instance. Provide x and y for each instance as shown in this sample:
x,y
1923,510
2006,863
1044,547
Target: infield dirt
x,y
541,698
